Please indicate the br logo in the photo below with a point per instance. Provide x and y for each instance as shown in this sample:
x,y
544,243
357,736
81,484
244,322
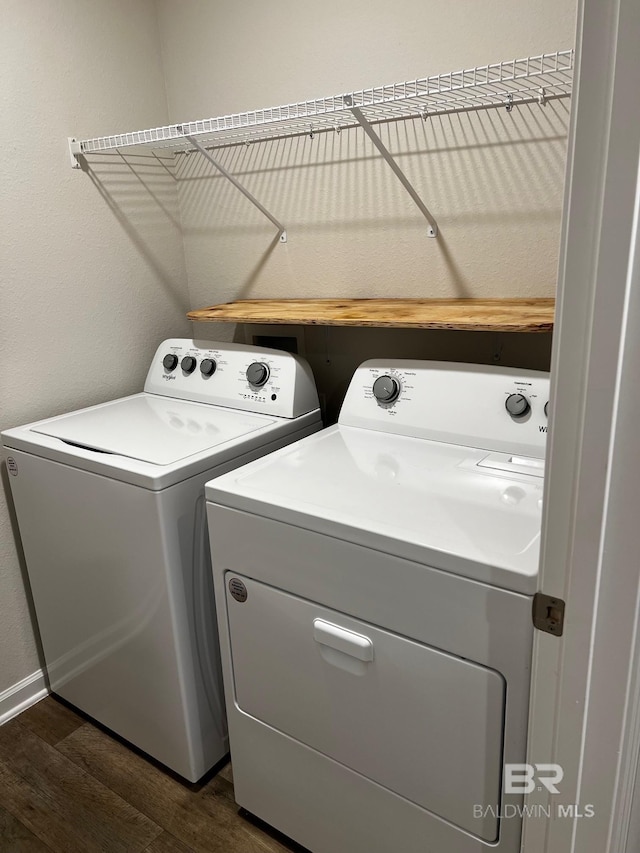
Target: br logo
x,y
525,778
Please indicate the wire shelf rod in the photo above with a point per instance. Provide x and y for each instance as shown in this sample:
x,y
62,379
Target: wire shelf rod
x,y
528,96
303,131
465,103
494,82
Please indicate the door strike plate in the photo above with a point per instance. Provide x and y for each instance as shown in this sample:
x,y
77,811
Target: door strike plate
x,y
548,614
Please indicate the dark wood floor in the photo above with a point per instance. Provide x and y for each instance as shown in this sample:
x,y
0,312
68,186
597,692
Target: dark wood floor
x,y
67,786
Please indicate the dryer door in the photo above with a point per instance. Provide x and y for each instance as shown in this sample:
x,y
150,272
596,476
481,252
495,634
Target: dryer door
x,y
422,723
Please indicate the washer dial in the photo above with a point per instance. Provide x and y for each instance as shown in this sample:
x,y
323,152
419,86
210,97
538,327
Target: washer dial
x,y
517,405
170,362
386,389
257,374
208,366
188,364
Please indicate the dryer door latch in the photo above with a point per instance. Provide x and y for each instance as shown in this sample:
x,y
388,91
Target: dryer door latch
x,y
548,614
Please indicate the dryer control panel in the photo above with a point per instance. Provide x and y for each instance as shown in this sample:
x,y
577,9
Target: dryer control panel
x,y
254,379
497,408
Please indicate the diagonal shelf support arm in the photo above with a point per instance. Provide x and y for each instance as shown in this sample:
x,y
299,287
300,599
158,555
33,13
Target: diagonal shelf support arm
x,y
373,136
245,192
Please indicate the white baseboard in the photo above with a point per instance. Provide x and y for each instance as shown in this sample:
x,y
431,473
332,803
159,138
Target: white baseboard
x,y
22,695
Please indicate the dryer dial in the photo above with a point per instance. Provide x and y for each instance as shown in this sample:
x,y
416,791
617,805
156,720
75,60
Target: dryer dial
x,y
386,389
517,405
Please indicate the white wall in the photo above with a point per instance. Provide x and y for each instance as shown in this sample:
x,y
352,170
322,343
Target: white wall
x,y
91,265
493,180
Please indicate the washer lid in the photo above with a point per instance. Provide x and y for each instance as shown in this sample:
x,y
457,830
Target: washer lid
x,y
158,430
434,503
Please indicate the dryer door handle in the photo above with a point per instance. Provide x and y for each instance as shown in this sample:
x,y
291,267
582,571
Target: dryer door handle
x,y
348,642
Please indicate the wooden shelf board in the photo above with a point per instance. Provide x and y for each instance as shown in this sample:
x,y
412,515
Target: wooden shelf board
x,y
494,315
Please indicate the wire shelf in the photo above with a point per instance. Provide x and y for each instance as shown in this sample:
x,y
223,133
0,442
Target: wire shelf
x,y
507,84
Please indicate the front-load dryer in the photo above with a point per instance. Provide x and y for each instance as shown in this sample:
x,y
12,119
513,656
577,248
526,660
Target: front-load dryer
x,y
374,585
110,507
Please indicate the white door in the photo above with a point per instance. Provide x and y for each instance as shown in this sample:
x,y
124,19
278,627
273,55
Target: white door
x,y
422,723
586,685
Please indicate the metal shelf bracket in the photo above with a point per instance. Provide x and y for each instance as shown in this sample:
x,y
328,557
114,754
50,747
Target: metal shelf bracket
x,y
75,149
282,231
388,157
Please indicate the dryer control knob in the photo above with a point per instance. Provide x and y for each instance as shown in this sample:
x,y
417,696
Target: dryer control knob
x,y
170,362
188,364
257,374
208,367
517,405
386,389
546,409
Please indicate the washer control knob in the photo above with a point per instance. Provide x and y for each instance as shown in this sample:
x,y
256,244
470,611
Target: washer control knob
x,y
517,405
386,389
170,362
188,364
208,367
546,409
257,374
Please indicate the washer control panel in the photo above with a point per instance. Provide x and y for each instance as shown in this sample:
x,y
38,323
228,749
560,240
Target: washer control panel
x,y
498,408
236,376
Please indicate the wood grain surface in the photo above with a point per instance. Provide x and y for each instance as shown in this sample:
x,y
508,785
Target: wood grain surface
x,y
68,786
14,835
495,315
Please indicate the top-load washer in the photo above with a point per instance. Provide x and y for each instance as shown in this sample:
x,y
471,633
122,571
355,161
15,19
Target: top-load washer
x,y
374,585
110,506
